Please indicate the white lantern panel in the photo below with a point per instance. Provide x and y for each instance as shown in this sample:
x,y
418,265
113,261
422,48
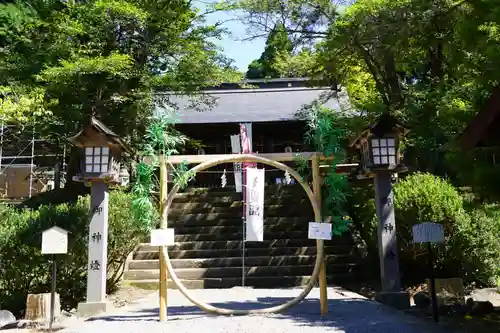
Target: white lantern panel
x,y
104,168
105,150
97,160
392,151
89,151
97,151
384,160
105,159
383,151
97,168
88,160
392,159
383,142
375,143
88,168
376,151
391,142
376,159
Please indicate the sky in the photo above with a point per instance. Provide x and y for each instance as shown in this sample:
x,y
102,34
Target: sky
x,y
242,52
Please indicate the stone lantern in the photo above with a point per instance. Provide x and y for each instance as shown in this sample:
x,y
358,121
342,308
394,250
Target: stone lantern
x,y
101,151
378,146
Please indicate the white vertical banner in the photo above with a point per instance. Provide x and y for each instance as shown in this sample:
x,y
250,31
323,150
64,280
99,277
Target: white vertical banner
x,y
236,149
254,212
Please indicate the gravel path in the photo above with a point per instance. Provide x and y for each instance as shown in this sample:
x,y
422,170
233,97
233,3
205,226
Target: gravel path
x,y
348,312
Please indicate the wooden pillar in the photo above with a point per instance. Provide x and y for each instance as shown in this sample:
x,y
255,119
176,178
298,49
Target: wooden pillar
x,y
323,296
163,225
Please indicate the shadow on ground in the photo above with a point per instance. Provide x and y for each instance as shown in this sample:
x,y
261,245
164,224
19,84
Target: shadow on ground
x,y
348,315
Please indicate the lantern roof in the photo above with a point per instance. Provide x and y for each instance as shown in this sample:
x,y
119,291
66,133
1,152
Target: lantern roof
x,y
95,127
385,124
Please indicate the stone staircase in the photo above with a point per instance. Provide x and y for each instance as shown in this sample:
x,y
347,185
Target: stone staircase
x,y
208,228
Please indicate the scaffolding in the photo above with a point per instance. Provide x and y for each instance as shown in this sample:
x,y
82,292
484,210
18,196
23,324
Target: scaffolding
x,y
28,164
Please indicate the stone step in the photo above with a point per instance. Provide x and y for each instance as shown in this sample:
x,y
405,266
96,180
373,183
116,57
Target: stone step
x,y
237,244
256,282
249,252
154,284
301,234
230,196
270,188
184,202
226,230
183,217
291,209
237,261
213,220
232,272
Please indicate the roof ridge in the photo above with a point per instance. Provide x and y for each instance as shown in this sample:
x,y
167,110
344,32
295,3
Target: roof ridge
x,y
247,90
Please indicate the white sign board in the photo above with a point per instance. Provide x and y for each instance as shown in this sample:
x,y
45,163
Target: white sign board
x,y
236,149
320,231
55,241
254,210
162,237
428,232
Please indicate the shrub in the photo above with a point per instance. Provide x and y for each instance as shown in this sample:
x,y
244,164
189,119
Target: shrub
x,y
25,270
478,238
423,197
417,198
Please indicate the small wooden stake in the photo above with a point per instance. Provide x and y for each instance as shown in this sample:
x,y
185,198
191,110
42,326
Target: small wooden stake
x,y
432,287
323,294
163,225
53,292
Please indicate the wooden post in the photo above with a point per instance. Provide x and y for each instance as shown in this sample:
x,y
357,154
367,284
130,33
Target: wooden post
x,y
323,296
163,225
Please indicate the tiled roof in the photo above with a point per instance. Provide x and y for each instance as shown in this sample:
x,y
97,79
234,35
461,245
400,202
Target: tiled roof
x,y
250,105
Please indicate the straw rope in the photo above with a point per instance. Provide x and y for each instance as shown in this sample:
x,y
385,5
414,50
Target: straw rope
x,y
319,256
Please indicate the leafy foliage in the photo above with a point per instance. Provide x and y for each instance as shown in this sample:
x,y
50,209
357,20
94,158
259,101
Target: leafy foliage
x,y
277,43
470,249
23,269
477,239
162,139
109,58
326,137
20,106
424,197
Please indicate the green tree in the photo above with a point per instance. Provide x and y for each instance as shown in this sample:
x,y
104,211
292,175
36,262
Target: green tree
x,y
106,58
405,57
278,42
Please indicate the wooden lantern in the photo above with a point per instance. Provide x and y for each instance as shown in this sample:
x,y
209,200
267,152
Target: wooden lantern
x,y
378,145
101,152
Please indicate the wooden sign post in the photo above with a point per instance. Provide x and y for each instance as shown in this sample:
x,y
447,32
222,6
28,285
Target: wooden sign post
x,y
54,241
429,233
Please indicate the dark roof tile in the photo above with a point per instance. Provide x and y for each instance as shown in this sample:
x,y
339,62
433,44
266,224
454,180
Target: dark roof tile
x,y
251,105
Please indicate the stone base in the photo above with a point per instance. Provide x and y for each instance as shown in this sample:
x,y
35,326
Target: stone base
x,y
90,309
398,300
